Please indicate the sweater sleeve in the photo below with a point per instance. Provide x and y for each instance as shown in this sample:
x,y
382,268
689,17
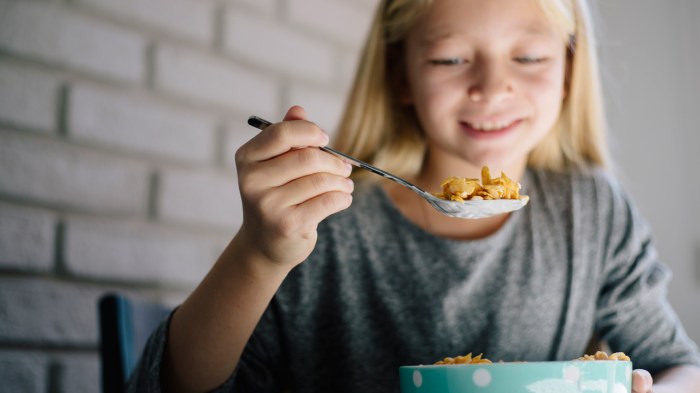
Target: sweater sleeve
x,y
634,315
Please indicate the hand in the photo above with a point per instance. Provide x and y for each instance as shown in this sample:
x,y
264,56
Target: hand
x,y
642,381
288,186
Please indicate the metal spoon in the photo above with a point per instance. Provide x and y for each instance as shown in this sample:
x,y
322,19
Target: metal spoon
x,y
466,209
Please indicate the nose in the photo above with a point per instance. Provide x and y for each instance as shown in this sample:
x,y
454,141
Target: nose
x,y
491,83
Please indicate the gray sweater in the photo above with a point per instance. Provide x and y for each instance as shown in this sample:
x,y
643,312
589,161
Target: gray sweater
x,y
378,292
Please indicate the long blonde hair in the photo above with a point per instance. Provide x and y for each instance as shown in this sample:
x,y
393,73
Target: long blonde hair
x,y
377,128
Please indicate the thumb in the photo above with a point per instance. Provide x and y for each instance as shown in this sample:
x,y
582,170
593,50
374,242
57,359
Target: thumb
x,y
295,113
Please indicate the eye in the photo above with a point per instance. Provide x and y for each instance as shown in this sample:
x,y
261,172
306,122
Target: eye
x,y
447,61
530,59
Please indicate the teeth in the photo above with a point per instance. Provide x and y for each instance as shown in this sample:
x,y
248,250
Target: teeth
x,y
490,126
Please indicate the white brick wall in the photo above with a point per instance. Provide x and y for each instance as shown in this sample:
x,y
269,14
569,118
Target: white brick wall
x,y
344,21
27,241
119,121
43,311
185,18
28,98
278,47
51,33
136,253
58,174
124,121
199,198
77,373
209,80
24,372
267,7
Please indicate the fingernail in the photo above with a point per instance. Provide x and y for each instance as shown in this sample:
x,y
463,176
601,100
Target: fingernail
x,y
350,183
348,167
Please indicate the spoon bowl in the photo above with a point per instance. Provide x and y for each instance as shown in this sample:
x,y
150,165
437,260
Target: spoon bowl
x,y
467,209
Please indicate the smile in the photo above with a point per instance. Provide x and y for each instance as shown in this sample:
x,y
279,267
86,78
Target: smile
x,y
488,130
492,126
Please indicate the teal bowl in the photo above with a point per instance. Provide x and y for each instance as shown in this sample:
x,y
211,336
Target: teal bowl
x,y
600,376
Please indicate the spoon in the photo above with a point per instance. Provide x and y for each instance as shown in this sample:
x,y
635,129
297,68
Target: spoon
x,y
466,209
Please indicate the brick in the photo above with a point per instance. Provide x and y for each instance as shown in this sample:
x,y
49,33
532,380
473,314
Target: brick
x,y
266,7
39,311
28,98
78,373
214,81
322,107
340,20
116,119
185,18
67,176
136,253
200,198
367,5
272,45
26,238
23,372
54,34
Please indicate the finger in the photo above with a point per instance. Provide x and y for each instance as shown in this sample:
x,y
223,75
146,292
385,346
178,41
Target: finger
x,y
295,113
641,381
296,164
281,137
307,188
307,215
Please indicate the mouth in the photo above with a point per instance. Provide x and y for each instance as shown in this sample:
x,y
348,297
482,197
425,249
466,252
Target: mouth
x,y
490,129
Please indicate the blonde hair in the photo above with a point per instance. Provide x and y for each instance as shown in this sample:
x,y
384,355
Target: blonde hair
x,y
377,128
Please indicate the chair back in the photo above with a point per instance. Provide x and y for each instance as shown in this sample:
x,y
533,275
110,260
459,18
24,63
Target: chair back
x,y
125,326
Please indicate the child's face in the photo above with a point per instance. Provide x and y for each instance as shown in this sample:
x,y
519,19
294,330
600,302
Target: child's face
x,y
486,78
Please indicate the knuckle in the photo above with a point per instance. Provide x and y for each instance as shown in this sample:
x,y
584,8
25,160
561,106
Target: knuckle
x,y
288,225
330,202
307,158
282,133
266,202
320,182
335,201
240,156
247,182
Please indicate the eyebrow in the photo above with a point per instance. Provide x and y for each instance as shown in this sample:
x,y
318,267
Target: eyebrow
x,y
529,29
433,37
534,29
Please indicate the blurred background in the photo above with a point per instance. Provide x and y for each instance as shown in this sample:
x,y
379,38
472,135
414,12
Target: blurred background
x,y
119,120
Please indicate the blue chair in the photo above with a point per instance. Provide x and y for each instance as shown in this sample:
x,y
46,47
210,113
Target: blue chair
x,y
125,325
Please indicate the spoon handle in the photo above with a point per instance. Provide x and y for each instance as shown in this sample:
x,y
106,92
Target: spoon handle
x,y
261,124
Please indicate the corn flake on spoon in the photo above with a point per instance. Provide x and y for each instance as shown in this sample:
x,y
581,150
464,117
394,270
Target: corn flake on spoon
x,y
466,209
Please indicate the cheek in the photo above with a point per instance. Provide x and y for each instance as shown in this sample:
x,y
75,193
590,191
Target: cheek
x,y
547,94
432,97
440,94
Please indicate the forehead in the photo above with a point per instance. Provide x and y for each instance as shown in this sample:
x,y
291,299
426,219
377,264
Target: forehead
x,y
483,19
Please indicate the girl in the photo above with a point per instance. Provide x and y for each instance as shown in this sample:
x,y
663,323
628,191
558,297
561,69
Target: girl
x,y
444,87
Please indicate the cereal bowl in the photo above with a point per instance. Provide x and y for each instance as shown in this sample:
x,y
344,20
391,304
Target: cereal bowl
x,y
608,376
